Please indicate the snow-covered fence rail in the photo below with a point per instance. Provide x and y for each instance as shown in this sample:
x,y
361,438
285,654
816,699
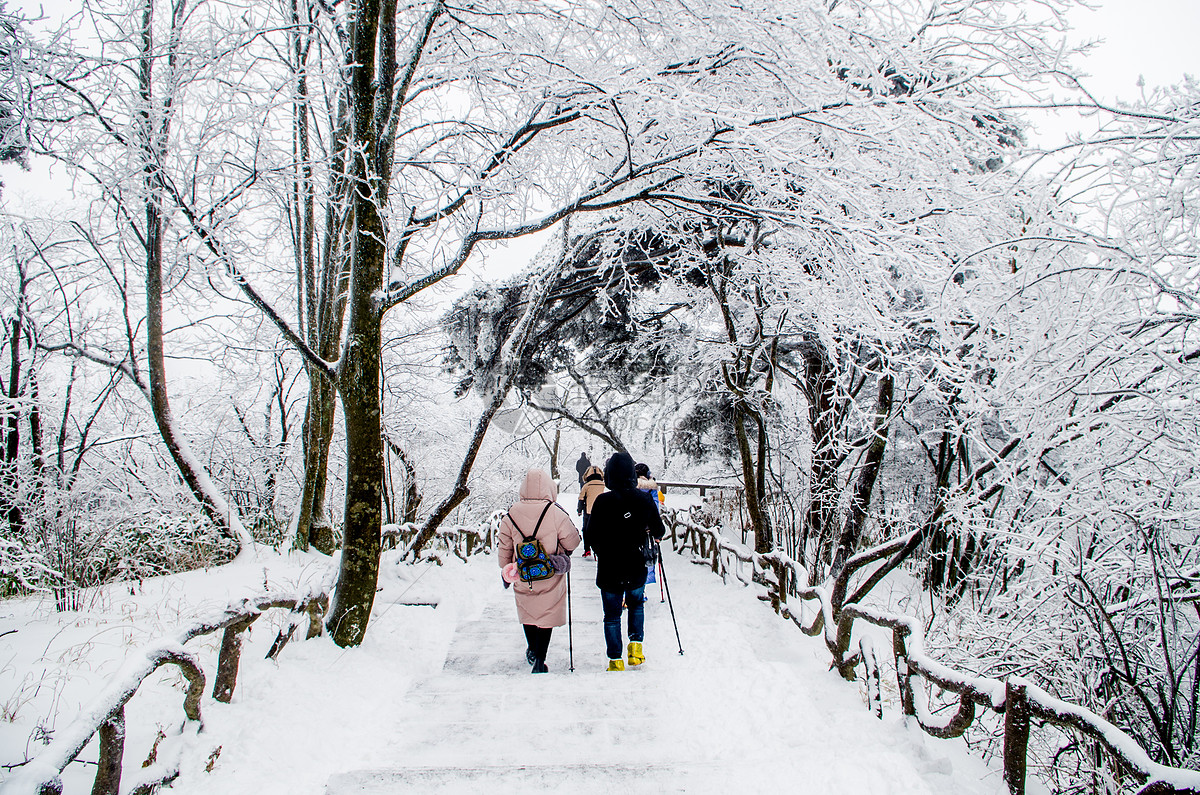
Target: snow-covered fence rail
x,y
836,611
701,487
460,540
105,715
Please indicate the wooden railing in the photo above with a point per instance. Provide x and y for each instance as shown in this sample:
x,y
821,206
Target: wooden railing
x,y
106,713
837,609
702,487
460,541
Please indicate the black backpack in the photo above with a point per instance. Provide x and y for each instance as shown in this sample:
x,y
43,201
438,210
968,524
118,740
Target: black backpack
x,y
532,561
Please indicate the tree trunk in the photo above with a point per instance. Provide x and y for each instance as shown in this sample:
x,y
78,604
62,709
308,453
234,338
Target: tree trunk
x,y
460,491
939,540
35,427
515,349
359,387
759,519
218,511
359,374
154,134
554,453
10,484
313,526
321,304
738,377
412,496
860,500
822,472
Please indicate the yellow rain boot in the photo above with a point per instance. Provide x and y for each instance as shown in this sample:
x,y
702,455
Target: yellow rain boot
x,y
616,665
635,653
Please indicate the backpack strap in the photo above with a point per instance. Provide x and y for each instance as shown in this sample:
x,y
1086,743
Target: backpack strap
x,y
536,527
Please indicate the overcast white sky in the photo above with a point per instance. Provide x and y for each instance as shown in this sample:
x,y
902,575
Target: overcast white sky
x,y
1153,38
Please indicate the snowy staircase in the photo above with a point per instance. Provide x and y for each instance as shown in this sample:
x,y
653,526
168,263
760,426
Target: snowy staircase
x,y
486,724
735,713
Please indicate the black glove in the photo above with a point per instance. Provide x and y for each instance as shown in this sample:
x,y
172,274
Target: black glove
x,y
560,563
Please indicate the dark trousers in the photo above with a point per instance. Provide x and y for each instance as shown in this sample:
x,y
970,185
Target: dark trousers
x,y
634,601
587,545
538,639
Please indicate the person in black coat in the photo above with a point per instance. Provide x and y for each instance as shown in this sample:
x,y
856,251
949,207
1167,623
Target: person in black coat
x,y
621,520
581,466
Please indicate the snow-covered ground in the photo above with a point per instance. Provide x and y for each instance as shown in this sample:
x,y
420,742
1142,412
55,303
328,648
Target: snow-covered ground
x,y
438,698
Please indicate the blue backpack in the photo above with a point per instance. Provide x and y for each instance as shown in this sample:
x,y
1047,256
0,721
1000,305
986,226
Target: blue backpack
x,y
532,561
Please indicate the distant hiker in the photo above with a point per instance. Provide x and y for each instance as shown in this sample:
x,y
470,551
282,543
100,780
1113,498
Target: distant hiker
x,y
581,466
648,484
593,487
623,520
535,541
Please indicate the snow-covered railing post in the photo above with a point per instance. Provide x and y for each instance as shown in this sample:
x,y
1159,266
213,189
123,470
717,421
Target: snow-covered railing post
x,y
112,752
1016,736
229,659
903,678
866,649
777,589
316,612
845,626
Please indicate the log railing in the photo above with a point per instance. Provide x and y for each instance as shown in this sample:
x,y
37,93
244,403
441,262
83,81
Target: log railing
x,y
460,541
834,616
105,715
701,487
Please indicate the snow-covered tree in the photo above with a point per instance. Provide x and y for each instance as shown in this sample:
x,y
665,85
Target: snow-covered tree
x,y
842,144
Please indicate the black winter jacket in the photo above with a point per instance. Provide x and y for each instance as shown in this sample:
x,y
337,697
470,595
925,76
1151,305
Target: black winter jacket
x,y
621,519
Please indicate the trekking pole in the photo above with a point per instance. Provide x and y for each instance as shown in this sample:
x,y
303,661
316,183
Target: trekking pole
x,y
667,587
570,638
658,563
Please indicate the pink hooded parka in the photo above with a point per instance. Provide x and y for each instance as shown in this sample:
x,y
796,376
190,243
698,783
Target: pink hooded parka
x,y
545,603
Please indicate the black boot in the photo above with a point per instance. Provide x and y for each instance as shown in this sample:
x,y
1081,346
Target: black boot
x,y
539,667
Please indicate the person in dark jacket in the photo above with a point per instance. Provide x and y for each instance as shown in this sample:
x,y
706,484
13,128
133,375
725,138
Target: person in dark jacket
x,y
621,519
581,466
593,487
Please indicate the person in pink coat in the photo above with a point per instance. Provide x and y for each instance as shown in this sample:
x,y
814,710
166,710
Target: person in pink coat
x,y
541,604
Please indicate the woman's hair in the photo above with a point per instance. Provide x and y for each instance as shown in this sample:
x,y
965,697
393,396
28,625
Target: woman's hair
x,y
642,470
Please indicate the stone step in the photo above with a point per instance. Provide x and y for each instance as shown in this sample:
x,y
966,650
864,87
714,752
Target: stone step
x,y
453,745
509,701
585,778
